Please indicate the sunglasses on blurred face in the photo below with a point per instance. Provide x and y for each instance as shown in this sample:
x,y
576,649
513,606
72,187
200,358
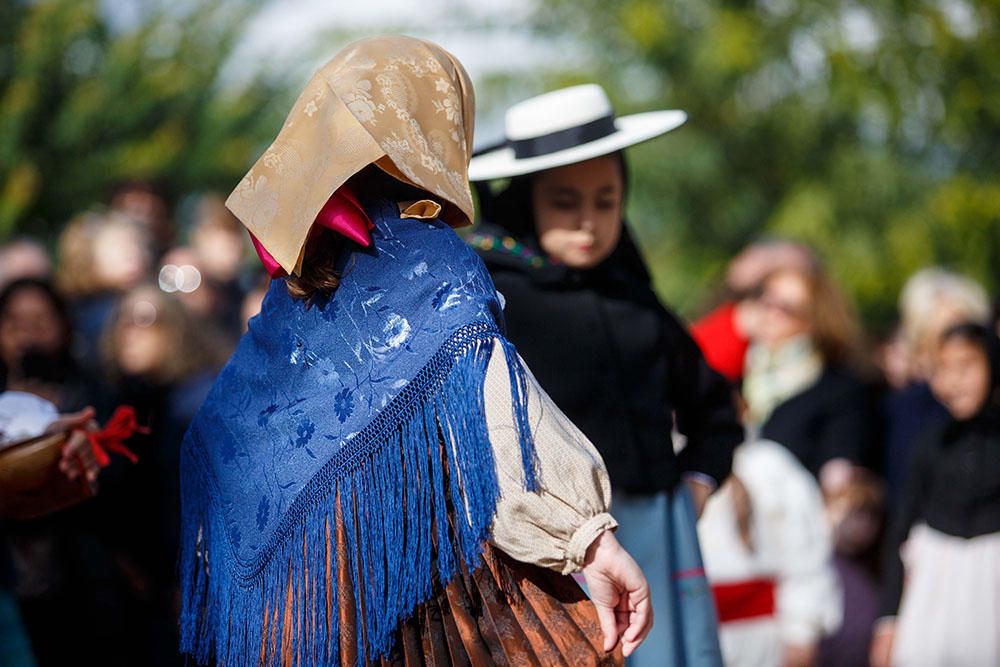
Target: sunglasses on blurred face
x,y
793,310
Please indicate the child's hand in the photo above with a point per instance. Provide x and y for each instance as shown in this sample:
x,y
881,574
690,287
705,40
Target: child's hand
x,y
700,493
800,655
620,592
880,654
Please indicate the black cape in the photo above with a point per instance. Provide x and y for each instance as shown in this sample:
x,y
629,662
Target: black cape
x,y
621,366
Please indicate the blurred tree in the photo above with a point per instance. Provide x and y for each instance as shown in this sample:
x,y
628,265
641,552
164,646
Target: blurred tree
x,y
869,130
86,102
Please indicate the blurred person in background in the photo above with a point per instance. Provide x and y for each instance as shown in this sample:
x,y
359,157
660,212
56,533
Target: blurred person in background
x,y
54,623
23,258
582,311
222,246
35,346
856,515
892,359
15,646
801,386
160,362
932,300
59,571
768,556
724,333
182,274
100,256
206,275
941,588
995,319
145,203
251,303
804,390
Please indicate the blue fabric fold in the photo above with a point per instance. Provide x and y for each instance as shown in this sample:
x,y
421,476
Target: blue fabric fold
x,y
368,405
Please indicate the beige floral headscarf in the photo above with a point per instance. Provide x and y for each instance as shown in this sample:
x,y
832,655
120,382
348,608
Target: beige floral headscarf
x,y
401,103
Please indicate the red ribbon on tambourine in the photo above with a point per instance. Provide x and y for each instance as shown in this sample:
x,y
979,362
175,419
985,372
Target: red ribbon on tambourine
x,y
31,483
122,426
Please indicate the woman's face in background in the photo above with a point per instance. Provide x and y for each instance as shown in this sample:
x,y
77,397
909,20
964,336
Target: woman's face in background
x,y
29,322
142,342
782,309
121,255
961,378
578,211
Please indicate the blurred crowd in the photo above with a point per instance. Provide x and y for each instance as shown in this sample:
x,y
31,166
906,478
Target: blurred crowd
x,y
855,443
133,310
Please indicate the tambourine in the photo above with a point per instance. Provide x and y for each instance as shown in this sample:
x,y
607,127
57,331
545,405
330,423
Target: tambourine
x,y
31,483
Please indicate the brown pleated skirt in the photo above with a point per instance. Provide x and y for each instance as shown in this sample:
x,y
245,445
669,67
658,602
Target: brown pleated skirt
x,y
504,613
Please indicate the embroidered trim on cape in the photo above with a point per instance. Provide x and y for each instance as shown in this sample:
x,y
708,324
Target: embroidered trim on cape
x,y
506,245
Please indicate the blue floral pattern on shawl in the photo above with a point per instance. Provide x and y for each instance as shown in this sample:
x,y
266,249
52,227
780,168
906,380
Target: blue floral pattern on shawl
x,y
350,398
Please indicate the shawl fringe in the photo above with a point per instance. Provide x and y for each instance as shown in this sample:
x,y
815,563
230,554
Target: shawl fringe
x,y
416,490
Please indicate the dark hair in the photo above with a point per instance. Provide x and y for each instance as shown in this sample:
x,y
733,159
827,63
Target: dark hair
x,y
512,208
136,185
968,332
56,302
986,340
54,367
319,277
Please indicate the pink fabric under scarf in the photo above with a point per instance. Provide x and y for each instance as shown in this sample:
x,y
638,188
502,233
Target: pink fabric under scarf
x,y
342,213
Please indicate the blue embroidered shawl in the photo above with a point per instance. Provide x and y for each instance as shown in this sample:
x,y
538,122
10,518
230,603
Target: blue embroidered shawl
x,y
373,398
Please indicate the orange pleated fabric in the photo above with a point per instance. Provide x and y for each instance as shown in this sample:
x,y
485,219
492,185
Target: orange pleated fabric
x,y
503,613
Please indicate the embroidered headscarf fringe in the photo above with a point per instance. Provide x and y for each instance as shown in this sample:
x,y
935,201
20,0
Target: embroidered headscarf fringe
x,y
417,506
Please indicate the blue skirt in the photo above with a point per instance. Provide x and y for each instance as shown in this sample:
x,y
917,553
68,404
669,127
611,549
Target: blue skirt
x,y
660,533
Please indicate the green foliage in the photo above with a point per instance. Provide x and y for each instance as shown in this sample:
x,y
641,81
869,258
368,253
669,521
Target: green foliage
x,y
85,104
870,130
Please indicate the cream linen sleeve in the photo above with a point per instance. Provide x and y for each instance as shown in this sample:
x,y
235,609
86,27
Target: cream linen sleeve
x,y
554,526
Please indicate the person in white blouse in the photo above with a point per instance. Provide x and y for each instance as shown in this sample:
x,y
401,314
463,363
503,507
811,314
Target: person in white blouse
x,y
768,556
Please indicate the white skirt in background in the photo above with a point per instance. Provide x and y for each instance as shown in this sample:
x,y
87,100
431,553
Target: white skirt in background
x,y
950,612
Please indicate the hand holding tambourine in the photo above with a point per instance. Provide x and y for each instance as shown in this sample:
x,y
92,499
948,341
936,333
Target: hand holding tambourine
x,y
58,468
